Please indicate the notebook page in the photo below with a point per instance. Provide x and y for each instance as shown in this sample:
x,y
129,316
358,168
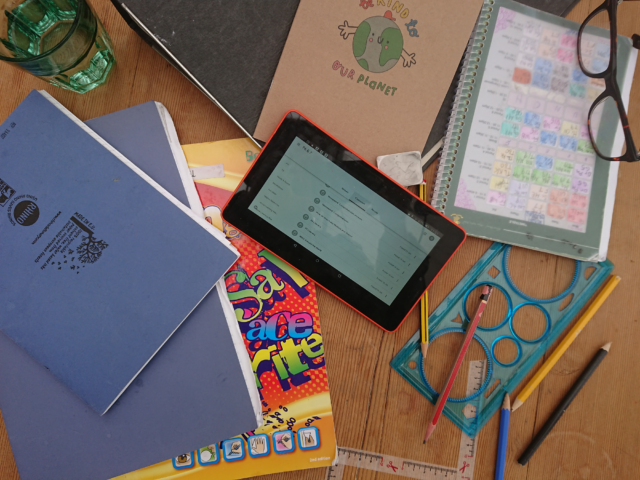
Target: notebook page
x,y
529,174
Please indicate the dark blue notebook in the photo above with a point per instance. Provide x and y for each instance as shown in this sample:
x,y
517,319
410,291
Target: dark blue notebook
x,y
100,265
191,394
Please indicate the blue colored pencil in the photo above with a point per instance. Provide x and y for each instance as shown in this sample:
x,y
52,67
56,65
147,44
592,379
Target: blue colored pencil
x,y
505,414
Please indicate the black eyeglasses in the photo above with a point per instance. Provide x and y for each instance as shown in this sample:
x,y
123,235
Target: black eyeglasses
x,y
599,62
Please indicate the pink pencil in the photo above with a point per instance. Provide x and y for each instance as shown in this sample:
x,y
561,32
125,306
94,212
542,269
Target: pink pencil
x,y
442,399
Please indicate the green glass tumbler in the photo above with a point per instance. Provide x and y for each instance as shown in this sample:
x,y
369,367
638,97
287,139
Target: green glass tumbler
x,y
60,41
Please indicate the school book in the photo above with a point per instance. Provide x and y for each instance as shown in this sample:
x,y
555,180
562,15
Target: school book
x,y
98,260
277,312
371,73
248,37
168,409
518,165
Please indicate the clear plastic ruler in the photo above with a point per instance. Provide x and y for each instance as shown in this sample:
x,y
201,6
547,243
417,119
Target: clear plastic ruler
x,y
467,452
403,467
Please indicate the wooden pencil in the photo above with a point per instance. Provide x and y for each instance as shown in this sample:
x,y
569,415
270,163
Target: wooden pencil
x,y
566,342
501,459
471,328
424,303
564,404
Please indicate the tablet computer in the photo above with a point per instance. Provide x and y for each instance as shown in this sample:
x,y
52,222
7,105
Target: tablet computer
x,y
327,212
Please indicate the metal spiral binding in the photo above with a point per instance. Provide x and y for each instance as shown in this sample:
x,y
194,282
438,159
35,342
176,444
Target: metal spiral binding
x,y
457,116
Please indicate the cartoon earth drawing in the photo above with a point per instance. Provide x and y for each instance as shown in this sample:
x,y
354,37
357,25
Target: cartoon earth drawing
x,y
377,43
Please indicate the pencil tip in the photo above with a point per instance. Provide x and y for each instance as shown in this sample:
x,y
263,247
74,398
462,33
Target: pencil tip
x,y
516,405
607,346
424,347
430,430
506,403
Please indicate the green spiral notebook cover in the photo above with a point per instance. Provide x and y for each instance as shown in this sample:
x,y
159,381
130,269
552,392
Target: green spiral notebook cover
x,y
518,165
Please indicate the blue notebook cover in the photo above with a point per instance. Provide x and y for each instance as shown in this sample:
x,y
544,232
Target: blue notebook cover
x,y
99,264
191,394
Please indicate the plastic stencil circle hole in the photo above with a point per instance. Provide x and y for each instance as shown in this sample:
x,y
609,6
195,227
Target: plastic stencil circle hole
x,y
540,275
505,351
441,357
412,364
494,313
529,323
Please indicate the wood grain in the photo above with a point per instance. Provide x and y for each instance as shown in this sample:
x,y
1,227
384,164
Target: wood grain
x,y
374,408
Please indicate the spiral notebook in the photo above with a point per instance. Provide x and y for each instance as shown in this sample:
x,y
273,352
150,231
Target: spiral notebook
x,y
518,165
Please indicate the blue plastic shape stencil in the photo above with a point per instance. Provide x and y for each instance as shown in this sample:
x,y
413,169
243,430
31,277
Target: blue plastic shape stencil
x,y
442,322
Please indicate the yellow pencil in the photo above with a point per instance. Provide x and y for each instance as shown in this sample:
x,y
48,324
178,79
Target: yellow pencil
x,y
424,324
424,303
566,341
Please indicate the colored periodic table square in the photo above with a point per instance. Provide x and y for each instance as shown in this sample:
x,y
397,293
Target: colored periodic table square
x,y
568,143
522,173
563,166
579,201
570,128
529,45
543,162
525,158
541,80
543,66
585,146
548,138
556,211
577,90
496,198
550,36
537,192
515,202
532,119
559,84
559,196
541,177
578,76
583,171
499,184
513,114
577,216
579,185
505,153
525,61
561,181
551,123
530,134
569,39
503,169
518,188
509,129
547,51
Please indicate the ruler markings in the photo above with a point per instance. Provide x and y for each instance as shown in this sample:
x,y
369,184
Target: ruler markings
x,y
410,468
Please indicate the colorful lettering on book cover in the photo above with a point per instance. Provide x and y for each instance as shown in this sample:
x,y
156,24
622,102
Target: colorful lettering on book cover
x,y
277,312
541,167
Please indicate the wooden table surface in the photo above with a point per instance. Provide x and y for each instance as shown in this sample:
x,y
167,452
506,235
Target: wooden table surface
x,y
374,408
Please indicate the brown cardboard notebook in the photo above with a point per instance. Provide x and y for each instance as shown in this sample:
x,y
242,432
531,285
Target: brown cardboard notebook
x,y
372,73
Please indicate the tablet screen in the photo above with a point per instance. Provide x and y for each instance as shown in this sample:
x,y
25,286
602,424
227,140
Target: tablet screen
x,y
311,200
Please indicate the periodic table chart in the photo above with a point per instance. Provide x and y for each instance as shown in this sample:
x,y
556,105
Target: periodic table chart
x,y
529,157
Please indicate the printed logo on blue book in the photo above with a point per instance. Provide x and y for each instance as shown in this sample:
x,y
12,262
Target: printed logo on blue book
x,y
26,213
6,192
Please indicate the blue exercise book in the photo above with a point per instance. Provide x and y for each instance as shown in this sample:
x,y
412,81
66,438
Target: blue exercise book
x,y
199,389
100,265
